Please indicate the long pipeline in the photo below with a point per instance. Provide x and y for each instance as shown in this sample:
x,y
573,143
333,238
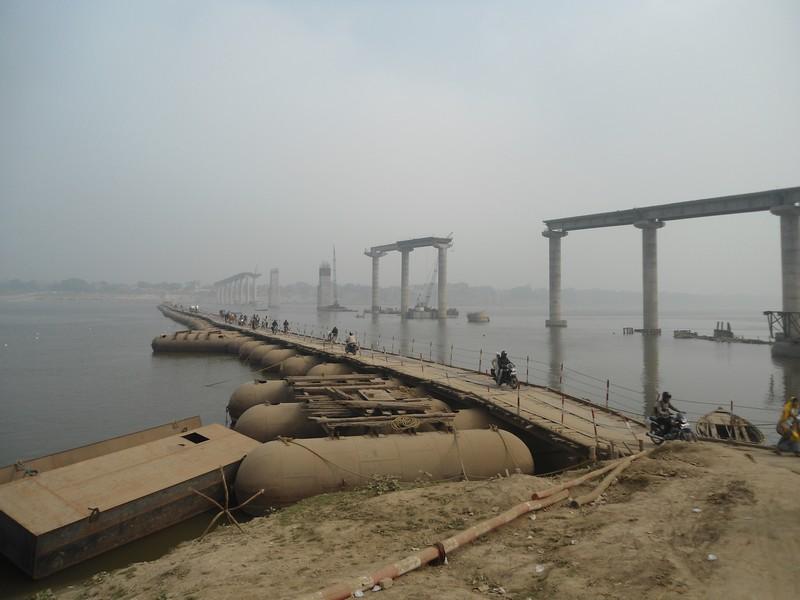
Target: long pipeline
x,y
438,551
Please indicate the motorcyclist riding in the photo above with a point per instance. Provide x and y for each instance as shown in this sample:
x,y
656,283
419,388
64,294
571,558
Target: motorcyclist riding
x,y
351,343
501,362
663,410
285,326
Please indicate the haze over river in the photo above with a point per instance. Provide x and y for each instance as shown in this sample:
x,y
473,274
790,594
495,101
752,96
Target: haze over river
x,y
74,372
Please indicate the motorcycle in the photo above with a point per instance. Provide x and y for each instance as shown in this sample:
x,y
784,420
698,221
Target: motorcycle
x,y
678,429
507,375
351,348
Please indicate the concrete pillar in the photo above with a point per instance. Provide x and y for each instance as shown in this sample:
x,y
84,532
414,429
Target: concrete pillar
x,y
404,254
442,277
255,289
651,381
376,257
555,319
790,261
376,265
650,276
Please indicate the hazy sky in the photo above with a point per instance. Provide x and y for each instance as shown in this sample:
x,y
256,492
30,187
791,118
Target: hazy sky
x,y
191,140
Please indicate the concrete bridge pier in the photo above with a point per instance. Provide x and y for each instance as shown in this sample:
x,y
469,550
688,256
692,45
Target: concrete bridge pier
x,y
404,291
555,319
650,276
790,278
376,256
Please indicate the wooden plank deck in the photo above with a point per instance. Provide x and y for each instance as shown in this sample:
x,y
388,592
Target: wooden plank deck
x,y
562,419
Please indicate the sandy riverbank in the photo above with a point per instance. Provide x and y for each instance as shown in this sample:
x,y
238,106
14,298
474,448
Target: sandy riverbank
x,y
644,539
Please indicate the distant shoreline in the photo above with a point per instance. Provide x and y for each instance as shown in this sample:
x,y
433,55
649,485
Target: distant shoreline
x,y
78,297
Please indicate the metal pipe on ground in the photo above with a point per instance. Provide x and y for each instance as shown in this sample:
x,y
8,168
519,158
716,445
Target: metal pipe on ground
x,y
607,481
577,481
438,551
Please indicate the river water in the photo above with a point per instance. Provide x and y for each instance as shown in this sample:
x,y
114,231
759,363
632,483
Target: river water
x,y
75,372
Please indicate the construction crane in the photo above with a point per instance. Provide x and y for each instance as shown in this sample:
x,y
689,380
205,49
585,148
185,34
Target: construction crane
x,y
335,290
424,301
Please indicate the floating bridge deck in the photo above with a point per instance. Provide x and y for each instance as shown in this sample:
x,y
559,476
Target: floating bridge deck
x,y
564,423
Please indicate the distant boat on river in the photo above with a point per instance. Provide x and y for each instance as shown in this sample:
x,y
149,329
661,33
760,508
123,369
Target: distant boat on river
x,y
478,317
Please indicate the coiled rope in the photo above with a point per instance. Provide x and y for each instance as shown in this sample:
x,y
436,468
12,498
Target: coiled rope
x,y
404,423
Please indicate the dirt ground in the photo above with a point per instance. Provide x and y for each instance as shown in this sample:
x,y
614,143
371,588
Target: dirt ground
x,y
650,536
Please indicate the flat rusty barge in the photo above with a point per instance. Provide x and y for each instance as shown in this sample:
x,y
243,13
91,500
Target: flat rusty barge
x,y
64,508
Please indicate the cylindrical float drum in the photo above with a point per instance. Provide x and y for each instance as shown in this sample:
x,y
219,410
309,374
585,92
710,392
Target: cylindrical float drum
x,y
298,365
191,341
246,348
290,471
328,368
275,356
256,356
265,422
236,343
258,392
474,418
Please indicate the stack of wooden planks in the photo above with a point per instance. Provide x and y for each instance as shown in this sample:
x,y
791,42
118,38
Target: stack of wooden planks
x,y
368,401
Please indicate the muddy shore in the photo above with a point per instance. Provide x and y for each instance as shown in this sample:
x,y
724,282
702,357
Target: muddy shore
x,y
692,520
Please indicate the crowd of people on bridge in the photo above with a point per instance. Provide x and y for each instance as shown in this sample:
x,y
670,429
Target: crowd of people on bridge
x,y
254,321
